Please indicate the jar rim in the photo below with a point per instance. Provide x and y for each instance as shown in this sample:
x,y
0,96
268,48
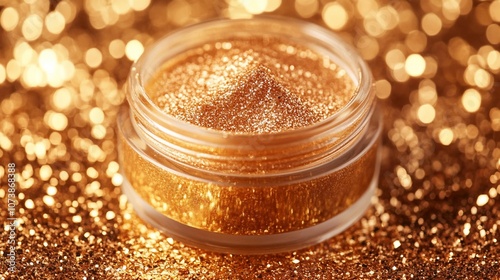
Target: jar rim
x,y
347,58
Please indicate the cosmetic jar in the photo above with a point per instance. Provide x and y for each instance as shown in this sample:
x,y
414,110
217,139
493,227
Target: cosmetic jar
x,y
250,193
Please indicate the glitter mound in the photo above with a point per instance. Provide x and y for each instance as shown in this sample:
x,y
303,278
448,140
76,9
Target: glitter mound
x,y
257,103
256,85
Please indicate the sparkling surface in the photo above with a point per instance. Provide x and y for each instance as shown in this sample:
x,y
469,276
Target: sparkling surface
x,y
435,214
255,85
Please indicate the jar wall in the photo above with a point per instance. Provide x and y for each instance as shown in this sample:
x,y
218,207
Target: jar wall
x,y
248,205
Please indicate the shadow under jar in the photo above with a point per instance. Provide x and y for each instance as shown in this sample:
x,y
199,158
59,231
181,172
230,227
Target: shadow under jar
x,y
199,166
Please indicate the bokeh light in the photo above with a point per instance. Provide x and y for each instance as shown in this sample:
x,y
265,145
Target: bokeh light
x,y
9,19
335,15
415,65
431,24
471,100
426,113
134,49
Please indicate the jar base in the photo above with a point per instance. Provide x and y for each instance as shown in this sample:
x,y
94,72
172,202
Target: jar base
x,y
251,244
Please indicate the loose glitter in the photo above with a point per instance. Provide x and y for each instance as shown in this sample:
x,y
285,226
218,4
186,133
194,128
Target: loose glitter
x,y
254,85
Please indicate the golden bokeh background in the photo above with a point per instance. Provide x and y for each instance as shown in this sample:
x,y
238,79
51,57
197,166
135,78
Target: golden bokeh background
x,y
63,65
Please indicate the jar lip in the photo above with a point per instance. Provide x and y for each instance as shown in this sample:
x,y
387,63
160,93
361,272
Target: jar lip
x,y
358,71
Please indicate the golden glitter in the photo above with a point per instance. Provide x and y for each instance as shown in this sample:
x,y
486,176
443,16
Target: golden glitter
x,y
257,93
462,245
247,86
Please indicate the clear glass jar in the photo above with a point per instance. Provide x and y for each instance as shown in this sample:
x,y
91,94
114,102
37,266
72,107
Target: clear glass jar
x,y
250,193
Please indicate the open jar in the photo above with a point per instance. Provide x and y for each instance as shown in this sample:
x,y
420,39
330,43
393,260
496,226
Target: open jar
x,y
250,192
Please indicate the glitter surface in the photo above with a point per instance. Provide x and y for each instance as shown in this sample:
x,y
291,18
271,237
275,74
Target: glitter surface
x,y
254,85
435,214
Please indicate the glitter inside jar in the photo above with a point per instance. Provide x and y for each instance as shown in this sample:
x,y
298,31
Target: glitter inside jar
x,y
250,136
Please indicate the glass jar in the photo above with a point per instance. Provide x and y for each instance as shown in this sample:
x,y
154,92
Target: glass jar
x,y
242,192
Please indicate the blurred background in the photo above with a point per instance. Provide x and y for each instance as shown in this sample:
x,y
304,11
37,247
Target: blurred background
x,y
436,63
